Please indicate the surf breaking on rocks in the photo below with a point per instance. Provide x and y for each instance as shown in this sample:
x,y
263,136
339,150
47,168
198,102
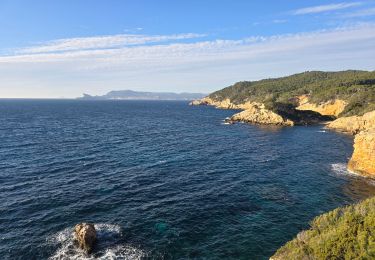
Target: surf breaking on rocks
x,y
109,245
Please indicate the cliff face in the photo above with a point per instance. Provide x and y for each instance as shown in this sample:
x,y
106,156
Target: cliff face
x,y
330,108
354,124
363,158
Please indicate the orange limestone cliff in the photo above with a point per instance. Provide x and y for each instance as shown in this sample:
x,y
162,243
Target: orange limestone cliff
x,y
354,124
330,108
363,158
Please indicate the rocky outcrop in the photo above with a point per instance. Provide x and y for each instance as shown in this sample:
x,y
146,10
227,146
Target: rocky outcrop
x,y
330,108
207,101
257,114
222,104
354,124
86,236
363,158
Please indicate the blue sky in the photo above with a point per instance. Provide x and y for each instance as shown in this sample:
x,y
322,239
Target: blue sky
x,y
66,48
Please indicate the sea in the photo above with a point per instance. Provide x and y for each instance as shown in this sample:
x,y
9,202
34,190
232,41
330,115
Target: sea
x,y
162,180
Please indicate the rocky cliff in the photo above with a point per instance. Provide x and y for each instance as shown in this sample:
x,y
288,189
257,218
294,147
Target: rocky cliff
x,y
354,124
363,158
363,127
333,107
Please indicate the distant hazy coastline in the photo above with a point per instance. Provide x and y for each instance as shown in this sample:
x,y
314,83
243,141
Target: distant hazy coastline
x,y
140,95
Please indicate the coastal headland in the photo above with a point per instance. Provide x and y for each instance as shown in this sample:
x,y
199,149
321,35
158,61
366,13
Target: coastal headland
x,y
344,101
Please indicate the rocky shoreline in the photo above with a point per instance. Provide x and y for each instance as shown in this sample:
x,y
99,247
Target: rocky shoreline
x,y
362,161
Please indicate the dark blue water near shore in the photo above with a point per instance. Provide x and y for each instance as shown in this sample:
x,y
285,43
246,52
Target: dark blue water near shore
x,y
161,180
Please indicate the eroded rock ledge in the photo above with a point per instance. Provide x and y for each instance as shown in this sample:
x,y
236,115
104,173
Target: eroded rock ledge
x,y
354,124
257,114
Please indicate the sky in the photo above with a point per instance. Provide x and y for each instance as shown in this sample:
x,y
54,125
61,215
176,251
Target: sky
x,y
62,49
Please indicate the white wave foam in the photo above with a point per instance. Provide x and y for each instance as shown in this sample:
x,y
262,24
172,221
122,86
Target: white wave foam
x,y
108,246
341,169
322,131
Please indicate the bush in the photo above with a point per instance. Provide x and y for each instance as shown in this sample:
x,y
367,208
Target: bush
x,y
344,233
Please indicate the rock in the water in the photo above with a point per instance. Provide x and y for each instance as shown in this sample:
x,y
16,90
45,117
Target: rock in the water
x,y
260,115
86,236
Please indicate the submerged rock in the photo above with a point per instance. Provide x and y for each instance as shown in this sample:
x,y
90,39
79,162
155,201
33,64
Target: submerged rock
x,y
86,236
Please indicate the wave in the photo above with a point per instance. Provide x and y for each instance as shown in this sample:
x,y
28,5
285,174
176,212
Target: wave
x,y
341,169
109,245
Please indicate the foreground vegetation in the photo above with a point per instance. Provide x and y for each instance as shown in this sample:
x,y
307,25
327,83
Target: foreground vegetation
x,y
344,233
355,87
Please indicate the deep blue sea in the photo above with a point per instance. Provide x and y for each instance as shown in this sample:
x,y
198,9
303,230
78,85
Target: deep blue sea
x,y
161,180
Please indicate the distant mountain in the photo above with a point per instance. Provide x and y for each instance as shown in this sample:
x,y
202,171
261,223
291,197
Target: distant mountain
x,y
139,95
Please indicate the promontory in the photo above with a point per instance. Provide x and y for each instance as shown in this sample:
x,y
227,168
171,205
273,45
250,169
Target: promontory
x,y
344,100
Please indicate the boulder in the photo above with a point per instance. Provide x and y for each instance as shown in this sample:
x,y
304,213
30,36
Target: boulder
x,y
86,236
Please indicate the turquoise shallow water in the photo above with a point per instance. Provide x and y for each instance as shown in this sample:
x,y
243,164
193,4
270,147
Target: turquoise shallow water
x,y
161,180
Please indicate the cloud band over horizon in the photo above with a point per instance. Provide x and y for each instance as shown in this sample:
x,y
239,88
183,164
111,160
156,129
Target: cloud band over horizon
x,y
166,62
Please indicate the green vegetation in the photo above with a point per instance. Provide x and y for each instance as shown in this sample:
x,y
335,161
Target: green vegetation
x,y
344,233
355,87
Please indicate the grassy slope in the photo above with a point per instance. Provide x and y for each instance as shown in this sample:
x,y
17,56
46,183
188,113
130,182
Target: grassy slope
x,y
344,233
356,87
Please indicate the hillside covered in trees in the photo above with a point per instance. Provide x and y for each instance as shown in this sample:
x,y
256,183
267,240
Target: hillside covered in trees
x,y
355,87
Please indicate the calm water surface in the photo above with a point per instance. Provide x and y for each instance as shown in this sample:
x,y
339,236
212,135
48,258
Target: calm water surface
x,y
161,180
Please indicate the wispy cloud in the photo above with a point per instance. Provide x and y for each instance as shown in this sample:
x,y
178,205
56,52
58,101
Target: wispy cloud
x,y
325,8
112,41
189,65
361,13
